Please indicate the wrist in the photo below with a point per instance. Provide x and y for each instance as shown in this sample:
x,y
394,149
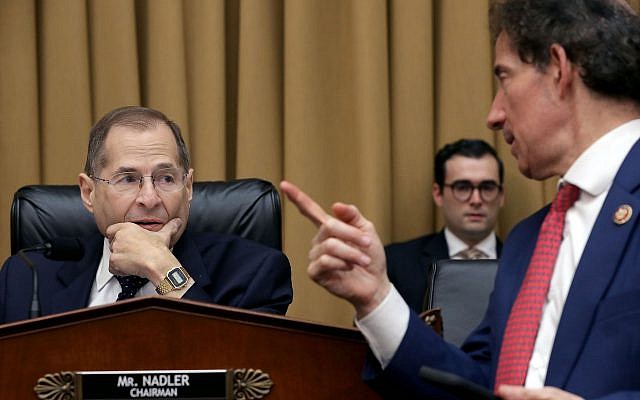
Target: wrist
x,y
175,279
179,293
159,267
374,302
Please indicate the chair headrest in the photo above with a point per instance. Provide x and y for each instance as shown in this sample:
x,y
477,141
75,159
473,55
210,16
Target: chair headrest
x,y
249,208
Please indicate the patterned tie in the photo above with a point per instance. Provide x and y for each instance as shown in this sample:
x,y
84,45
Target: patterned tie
x,y
524,319
471,253
130,286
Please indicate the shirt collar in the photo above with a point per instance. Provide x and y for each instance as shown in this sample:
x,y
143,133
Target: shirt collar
x,y
456,245
103,275
594,170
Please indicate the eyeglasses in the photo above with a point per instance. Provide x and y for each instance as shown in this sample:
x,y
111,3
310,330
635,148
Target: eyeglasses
x,y
462,190
166,180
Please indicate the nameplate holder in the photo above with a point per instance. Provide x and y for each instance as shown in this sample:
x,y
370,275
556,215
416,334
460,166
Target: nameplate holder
x,y
216,384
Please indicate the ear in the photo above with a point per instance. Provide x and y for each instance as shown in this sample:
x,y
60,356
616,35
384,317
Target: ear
x,y
87,189
437,194
188,184
561,68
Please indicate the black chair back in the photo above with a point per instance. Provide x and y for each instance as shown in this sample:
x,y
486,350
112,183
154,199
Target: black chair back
x,y
249,208
461,289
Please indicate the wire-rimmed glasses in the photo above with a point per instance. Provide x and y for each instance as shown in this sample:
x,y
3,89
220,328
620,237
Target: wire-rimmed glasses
x,y
165,180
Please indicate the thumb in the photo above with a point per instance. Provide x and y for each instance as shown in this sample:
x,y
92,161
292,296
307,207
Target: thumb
x,y
113,229
349,214
171,228
510,391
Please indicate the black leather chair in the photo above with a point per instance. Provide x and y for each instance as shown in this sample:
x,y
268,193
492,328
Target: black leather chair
x,y
460,289
246,207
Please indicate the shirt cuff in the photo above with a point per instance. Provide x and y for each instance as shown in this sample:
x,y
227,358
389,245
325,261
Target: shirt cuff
x,y
384,327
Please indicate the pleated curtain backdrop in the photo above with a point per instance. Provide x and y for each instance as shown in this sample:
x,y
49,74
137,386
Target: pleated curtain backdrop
x,y
349,99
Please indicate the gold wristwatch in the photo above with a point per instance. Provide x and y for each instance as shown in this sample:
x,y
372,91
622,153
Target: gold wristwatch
x,y
176,278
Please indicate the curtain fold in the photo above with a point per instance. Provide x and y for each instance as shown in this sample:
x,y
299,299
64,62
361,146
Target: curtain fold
x,y
411,106
65,99
350,99
114,60
20,156
205,48
163,49
260,123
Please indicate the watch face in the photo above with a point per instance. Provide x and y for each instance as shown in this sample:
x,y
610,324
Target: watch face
x,y
177,277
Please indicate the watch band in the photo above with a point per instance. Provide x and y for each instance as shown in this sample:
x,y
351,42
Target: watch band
x,y
175,279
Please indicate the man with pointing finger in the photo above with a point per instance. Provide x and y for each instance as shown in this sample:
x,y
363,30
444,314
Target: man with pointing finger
x,y
562,321
138,184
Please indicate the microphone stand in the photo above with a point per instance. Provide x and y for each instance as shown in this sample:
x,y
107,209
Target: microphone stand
x,y
34,311
58,249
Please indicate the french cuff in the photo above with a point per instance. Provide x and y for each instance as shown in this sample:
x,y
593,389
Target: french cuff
x,y
385,326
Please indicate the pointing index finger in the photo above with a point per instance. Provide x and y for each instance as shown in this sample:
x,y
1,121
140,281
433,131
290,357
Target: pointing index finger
x,y
307,206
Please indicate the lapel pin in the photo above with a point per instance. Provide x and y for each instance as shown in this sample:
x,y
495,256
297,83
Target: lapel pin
x,y
623,214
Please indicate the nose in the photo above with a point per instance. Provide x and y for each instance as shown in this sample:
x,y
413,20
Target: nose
x,y
148,195
497,116
475,198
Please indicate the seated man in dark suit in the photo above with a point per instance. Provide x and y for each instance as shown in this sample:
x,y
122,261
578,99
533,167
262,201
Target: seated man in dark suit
x,y
137,183
469,217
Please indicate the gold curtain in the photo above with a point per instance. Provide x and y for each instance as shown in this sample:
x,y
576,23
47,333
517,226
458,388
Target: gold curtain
x,y
347,98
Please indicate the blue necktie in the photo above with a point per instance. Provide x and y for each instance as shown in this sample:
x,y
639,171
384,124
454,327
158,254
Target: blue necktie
x,y
130,286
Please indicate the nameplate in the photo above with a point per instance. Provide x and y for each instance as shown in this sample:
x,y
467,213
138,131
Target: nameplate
x,y
112,385
218,384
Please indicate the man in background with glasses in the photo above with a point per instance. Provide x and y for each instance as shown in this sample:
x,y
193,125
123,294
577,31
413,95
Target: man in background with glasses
x,y
138,184
468,190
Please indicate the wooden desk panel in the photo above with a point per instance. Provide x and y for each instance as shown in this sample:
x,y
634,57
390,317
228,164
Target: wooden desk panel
x,y
305,360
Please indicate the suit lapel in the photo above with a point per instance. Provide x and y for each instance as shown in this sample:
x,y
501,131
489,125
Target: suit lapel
x,y
435,249
498,247
599,262
77,279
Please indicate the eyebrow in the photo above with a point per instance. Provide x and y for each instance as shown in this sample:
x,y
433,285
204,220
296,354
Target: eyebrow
x,y
125,168
471,182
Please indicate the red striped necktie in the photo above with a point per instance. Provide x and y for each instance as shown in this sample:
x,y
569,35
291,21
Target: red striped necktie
x,y
524,319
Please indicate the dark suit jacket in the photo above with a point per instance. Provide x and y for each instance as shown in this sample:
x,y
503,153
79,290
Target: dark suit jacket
x,y
227,270
408,265
597,346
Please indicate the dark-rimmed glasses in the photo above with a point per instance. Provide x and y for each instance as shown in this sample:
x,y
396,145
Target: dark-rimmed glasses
x,y
462,190
165,180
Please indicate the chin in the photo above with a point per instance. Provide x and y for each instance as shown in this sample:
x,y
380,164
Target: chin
x,y
539,175
477,232
525,170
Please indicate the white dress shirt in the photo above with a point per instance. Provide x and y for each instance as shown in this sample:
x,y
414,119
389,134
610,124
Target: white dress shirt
x,y
593,172
105,288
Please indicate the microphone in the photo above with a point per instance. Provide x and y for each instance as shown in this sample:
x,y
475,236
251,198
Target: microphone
x,y
64,249
57,249
456,385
